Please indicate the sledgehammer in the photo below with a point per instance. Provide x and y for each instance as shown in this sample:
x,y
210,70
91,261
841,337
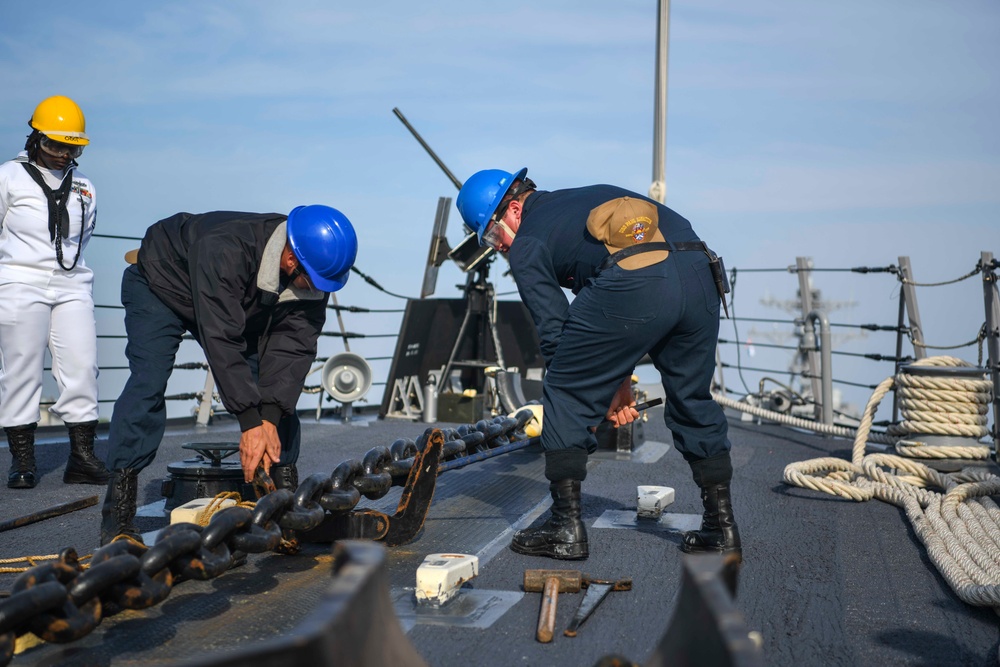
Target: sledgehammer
x,y
551,583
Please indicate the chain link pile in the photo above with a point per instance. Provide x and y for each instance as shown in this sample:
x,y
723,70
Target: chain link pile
x,y
61,602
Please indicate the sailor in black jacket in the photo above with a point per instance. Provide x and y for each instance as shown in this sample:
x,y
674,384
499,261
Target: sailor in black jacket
x,y
252,289
644,283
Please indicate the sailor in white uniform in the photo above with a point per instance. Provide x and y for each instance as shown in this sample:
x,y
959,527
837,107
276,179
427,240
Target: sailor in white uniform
x,y
48,210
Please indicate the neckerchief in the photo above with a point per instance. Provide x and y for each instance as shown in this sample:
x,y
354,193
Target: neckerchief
x,y
58,213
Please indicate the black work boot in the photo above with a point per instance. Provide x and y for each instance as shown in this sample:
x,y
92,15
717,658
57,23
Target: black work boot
x,y
718,533
83,466
21,441
563,535
118,511
285,476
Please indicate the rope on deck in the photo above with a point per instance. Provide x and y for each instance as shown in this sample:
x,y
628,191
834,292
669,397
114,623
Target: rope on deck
x,y
799,422
959,524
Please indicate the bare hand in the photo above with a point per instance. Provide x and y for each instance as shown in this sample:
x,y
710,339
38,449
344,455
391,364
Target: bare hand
x,y
621,411
259,446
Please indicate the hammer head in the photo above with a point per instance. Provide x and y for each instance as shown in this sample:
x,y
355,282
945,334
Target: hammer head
x,y
570,581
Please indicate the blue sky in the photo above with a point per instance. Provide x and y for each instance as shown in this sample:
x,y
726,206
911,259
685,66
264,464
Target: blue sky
x,y
851,132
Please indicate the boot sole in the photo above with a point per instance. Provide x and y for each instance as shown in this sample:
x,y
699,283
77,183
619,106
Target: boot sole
x,y
85,479
20,485
560,552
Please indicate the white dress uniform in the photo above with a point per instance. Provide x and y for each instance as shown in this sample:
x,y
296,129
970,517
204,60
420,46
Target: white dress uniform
x,y
42,304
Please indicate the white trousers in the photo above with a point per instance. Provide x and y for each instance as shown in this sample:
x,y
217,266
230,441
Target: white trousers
x,y
31,319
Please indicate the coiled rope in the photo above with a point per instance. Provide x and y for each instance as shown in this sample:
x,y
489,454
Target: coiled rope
x,y
942,406
958,523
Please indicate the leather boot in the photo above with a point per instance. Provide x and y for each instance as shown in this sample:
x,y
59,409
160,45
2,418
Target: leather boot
x,y
21,441
83,466
285,476
118,511
563,535
718,533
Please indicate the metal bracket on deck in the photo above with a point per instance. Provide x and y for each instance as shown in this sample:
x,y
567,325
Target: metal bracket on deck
x,y
410,514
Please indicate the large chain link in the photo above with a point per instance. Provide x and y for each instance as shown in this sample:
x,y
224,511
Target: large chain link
x,y
61,602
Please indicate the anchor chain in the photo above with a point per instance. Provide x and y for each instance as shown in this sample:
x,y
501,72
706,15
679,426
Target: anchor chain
x,y
61,601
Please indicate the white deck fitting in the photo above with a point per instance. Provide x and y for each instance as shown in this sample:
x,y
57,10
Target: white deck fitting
x,y
652,500
440,577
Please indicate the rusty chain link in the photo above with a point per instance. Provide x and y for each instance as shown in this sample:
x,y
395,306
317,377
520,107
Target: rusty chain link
x,y
61,602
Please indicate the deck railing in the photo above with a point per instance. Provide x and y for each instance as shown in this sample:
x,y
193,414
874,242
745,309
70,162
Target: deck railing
x,y
786,365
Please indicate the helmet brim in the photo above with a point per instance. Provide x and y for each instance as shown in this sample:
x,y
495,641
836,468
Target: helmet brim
x,y
327,284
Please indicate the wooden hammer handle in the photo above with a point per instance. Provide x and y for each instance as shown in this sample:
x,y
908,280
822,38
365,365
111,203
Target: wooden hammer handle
x,y
547,615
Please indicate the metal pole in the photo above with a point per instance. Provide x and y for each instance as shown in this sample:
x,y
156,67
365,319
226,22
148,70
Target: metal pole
x,y
803,266
899,355
454,464
205,407
48,513
658,189
721,383
826,355
346,413
909,294
416,135
992,303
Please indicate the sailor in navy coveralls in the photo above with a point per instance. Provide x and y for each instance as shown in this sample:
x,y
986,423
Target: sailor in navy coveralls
x,y
662,302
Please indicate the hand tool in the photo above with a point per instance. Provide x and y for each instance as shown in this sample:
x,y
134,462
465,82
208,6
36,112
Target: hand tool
x,y
639,407
551,583
48,513
597,590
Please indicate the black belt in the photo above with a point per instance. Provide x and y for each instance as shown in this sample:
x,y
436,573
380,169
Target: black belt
x,y
714,261
680,246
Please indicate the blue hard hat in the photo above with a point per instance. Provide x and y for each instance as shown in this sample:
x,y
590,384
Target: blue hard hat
x,y
325,244
481,194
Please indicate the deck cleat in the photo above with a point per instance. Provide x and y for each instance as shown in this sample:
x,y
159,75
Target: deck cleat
x,y
652,500
440,577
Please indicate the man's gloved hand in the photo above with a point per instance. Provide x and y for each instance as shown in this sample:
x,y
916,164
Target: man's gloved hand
x,y
259,446
621,411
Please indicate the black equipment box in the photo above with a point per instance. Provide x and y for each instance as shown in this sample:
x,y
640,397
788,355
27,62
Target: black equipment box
x,y
461,409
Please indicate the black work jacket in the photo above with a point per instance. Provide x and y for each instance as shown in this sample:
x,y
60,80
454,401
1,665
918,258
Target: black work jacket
x,y
553,250
220,273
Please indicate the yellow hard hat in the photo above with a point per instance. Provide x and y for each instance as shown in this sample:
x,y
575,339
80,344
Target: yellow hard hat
x,y
60,119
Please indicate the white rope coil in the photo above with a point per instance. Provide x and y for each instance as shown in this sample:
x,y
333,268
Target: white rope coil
x,y
941,406
952,514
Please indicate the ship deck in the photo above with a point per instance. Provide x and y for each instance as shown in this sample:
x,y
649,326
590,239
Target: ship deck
x,y
825,581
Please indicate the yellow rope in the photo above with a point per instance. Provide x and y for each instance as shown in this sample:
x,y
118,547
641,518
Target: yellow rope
x,y
203,518
216,505
32,561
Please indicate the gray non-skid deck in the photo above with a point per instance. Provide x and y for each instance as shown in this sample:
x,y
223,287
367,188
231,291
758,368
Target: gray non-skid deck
x,y
825,581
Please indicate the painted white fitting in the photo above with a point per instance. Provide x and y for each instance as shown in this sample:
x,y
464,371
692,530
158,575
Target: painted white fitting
x,y
652,500
189,512
440,577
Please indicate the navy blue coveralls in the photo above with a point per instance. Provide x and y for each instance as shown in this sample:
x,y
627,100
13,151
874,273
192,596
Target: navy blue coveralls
x,y
669,310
